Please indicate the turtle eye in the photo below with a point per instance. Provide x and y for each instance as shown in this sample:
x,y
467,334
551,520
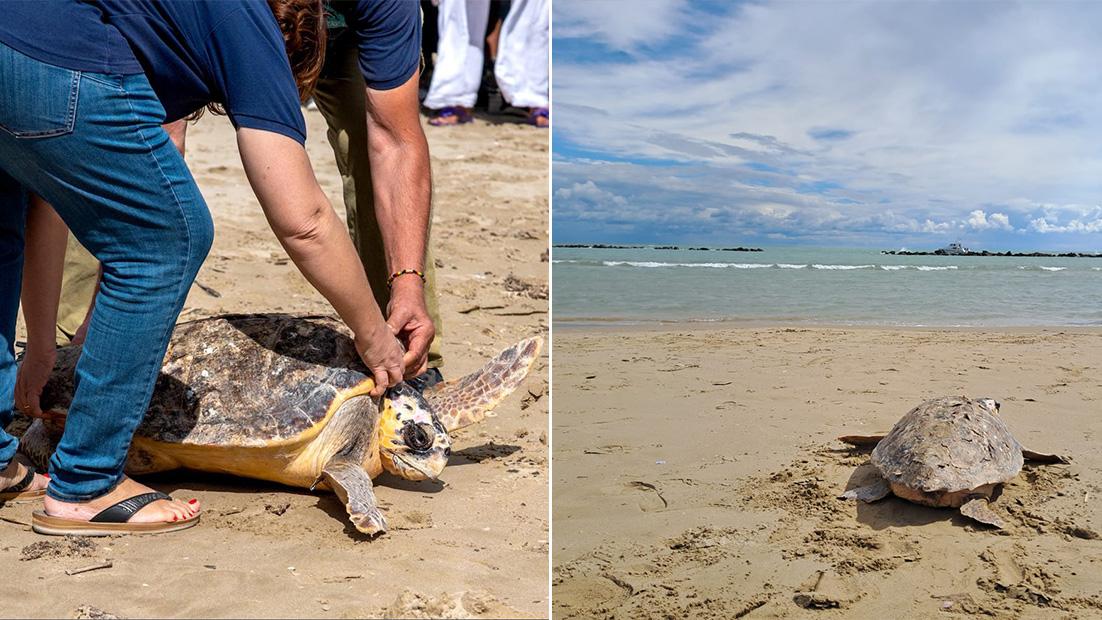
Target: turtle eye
x,y
417,436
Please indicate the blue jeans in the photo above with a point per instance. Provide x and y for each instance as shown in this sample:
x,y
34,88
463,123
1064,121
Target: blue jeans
x,y
92,146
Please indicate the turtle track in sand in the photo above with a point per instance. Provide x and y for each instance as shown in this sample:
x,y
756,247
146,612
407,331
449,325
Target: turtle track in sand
x,y
849,558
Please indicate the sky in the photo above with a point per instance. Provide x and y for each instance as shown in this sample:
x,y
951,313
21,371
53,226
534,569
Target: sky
x,y
879,124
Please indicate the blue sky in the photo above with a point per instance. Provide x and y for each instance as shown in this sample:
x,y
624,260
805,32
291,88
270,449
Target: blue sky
x,y
887,124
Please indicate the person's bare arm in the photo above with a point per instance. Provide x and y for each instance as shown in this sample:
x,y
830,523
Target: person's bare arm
x,y
317,241
43,265
401,174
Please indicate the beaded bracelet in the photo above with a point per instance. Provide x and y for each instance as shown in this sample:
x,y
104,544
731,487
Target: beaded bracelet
x,y
396,274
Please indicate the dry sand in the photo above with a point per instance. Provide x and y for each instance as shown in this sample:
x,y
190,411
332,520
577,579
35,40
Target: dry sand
x,y
477,547
696,473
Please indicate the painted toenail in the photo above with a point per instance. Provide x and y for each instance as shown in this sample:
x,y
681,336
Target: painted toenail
x,y
192,501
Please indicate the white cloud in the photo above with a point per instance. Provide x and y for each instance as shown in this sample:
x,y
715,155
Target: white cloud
x,y
979,220
621,24
1043,226
589,192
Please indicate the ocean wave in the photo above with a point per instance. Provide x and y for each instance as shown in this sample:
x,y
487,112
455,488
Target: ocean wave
x,y
791,266
842,267
1053,268
651,264
938,268
1042,267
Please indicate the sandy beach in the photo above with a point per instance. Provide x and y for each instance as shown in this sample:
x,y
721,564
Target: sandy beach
x,y
696,473
477,547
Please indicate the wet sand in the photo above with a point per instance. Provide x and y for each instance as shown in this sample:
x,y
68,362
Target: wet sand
x,y
696,474
475,548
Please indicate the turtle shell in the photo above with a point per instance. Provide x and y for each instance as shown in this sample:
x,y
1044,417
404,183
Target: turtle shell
x,y
948,444
242,380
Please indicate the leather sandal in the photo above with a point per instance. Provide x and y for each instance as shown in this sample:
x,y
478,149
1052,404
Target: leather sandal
x,y
18,491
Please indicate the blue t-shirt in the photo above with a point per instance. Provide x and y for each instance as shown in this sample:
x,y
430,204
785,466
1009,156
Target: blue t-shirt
x,y
66,33
193,52
388,34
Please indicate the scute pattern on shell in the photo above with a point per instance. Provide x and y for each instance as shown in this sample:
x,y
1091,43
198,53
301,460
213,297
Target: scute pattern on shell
x,y
240,380
948,444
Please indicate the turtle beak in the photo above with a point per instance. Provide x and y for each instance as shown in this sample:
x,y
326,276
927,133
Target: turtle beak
x,y
415,466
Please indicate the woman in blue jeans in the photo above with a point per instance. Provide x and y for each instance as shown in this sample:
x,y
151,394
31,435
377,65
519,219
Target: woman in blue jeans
x,y
84,89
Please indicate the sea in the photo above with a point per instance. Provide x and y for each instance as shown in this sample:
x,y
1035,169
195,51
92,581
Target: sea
x,y
822,286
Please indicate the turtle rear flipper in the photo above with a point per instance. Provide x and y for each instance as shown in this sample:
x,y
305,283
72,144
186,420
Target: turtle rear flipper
x,y
979,509
353,486
869,493
467,400
1041,457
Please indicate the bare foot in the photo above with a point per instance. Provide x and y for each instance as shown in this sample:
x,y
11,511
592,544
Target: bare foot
x,y
454,115
160,511
538,119
14,473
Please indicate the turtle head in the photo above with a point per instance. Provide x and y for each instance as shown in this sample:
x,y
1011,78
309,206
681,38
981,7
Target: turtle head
x,y
990,404
413,444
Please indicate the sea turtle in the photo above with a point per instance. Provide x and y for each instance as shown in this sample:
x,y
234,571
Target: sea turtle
x,y
285,398
947,452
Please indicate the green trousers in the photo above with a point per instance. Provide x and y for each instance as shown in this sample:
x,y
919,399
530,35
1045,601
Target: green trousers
x,y
342,101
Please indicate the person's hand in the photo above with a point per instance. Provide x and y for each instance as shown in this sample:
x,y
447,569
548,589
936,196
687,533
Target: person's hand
x,y
382,353
409,319
34,372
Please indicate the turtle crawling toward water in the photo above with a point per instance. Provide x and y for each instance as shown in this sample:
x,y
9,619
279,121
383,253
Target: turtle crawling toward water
x,y
947,452
285,398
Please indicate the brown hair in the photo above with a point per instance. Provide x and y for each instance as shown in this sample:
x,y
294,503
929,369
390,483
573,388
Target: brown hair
x,y
303,23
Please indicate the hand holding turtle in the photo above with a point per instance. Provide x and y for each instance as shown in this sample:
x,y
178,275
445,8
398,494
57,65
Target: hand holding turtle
x,y
382,353
409,319
34,372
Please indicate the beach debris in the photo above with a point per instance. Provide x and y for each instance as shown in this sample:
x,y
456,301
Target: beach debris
x,y
342,578
90,612
646,486
260,390
514,284
947,452
278,508
477,308
67,547
15,521
826,589
89,568
679,367
208,290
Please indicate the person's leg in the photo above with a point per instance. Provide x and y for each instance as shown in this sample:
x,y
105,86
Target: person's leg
x,y
522,64
78,287
458,70
125,192
16,480
341,100
13,205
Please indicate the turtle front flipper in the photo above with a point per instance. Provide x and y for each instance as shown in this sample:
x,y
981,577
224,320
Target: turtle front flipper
x,y
1041,457
979,509
467,400
869,493
861,441
353,486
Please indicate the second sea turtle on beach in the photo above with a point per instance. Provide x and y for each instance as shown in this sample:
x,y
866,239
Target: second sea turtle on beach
x,y
284,398
947,452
